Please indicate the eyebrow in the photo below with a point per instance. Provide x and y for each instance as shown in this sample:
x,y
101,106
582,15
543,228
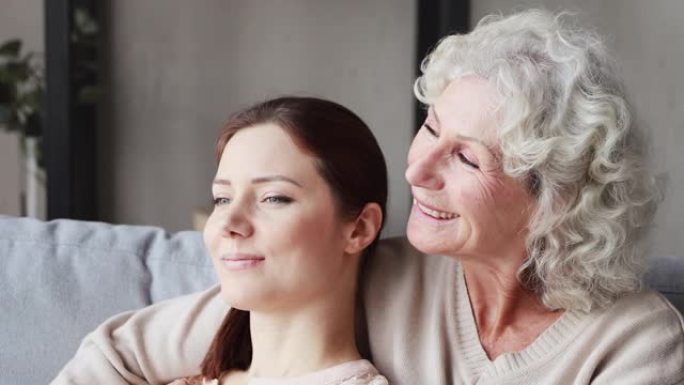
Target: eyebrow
x,y
262,179
459,136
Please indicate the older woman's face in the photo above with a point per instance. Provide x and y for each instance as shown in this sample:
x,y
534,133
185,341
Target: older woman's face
x,y
464,205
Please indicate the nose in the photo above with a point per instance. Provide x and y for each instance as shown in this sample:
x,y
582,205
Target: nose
x,y
237,222
424,170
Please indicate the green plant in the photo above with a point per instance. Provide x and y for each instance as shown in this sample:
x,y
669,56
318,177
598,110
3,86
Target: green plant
x,y
21,90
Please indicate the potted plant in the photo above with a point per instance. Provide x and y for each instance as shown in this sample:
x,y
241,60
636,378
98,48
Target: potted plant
x,y
21,95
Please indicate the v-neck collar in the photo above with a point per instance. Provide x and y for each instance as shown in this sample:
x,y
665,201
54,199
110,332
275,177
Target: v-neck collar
x,y
550,342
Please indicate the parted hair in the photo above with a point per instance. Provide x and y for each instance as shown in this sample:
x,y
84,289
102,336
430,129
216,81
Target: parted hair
x,y
566,131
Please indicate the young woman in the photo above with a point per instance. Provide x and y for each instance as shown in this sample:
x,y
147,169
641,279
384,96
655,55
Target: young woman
x,y
299,202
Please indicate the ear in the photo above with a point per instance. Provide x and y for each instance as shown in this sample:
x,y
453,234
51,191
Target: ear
x,y
364,229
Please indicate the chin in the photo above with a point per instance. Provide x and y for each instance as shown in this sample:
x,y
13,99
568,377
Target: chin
x,y
238,299
425,243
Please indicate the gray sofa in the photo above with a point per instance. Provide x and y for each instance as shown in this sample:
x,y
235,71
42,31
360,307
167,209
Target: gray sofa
x,y
60,279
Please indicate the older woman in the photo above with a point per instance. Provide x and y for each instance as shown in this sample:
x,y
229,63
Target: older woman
x,y
532,197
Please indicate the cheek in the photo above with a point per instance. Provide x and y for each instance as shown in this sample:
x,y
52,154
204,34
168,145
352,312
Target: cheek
x,y
211,233
314,229
292,234
467,187
476,198
473,193
506,203
519,205
317,236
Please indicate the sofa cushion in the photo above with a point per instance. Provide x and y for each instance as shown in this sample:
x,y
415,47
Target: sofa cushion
x,y
666,275
60,279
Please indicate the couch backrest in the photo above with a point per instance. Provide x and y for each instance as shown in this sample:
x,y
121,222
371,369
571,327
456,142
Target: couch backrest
x,y
666,275
60,279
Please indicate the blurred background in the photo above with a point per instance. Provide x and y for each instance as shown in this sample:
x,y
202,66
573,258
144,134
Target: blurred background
x,y
109,109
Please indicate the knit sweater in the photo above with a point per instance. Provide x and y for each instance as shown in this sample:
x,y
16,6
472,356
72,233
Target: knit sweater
x,y
421,331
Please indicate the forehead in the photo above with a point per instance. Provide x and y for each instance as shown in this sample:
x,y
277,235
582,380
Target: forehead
x,y
468,107
265,148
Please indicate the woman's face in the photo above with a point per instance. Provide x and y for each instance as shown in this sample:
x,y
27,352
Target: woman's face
x,y
275,237
464,205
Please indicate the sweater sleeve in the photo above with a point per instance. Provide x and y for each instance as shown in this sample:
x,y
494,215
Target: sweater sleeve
x,y
649,352
154,345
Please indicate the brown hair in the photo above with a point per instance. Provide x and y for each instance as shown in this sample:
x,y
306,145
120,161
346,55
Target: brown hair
x,y
348,158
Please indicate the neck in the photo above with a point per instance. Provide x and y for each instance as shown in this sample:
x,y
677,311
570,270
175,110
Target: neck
x,y
321,335
508,316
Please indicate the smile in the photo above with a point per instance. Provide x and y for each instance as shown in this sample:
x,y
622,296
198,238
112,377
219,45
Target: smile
x,y
434,213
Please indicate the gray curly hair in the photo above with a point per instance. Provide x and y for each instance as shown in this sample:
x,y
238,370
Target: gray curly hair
x,y
567,133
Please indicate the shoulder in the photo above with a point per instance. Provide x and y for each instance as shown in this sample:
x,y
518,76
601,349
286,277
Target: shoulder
x,y
367,380
396,256
641,336
365,374
196,380
409,298
399,275
648,309
649,318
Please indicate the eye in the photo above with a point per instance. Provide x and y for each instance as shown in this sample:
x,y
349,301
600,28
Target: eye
x,y
431,130
277,199
219,201
466,161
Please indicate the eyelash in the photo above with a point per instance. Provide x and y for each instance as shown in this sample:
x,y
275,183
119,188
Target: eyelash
x,y
219,201
466,161
275,199
462,157
431,130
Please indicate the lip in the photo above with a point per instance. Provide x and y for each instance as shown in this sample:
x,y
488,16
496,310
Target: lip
x,y
238,261
417,208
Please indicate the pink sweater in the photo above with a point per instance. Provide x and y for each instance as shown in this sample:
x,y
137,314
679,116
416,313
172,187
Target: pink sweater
x,y
359,372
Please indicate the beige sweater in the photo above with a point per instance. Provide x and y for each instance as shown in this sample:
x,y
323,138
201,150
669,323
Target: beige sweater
x,y
421,332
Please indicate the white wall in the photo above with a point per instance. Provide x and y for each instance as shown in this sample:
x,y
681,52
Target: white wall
x,y
179,68
648,39
22,19
10,173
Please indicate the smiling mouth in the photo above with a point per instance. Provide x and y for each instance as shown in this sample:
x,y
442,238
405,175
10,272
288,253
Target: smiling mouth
x,y
442,215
